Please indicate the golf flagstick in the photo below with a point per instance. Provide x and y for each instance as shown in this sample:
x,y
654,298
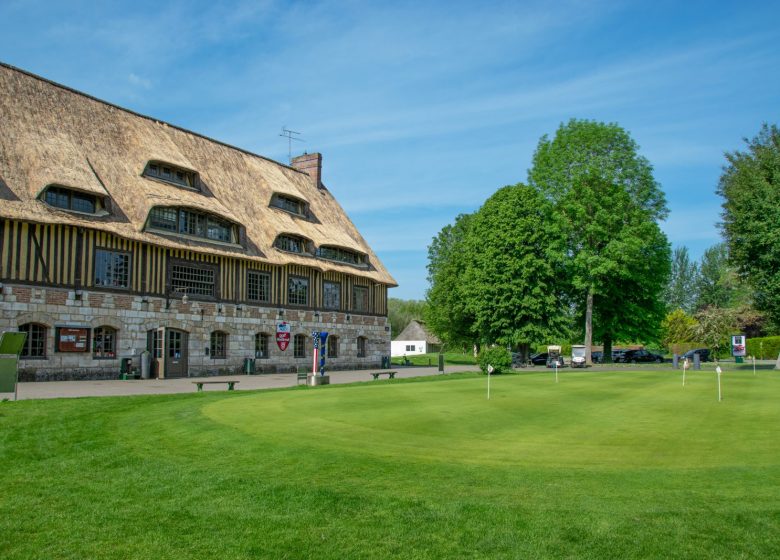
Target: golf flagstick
x,y
685,367
720,396
490,370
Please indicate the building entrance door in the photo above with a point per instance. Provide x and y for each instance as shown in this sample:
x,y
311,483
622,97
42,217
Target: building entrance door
x,y
176,354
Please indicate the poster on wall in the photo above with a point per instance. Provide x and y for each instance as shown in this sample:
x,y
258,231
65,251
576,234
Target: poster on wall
x,y
72,339
738,346
283,335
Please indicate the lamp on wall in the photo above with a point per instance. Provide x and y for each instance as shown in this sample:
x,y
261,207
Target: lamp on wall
x,y
317,315
280,313
348,317
172,293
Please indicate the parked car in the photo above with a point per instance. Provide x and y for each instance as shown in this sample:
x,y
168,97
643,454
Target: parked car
x,y
704,354
617,355
539,359
636,356
596,357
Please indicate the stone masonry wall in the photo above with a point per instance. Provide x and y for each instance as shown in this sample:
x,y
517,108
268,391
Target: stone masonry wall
x,y
133,316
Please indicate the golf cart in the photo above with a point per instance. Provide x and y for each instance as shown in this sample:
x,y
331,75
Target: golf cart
x,y
577,355
554,358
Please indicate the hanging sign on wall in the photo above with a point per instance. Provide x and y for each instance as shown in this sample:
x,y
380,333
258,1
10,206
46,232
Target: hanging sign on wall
x,y
283,335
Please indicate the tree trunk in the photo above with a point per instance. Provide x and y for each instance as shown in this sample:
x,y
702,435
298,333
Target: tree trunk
x,y
607,353
588,326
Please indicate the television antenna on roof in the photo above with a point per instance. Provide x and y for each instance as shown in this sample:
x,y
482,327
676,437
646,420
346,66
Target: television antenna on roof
x,y
289,135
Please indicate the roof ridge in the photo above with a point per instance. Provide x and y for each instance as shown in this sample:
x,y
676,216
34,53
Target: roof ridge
x,y
147,117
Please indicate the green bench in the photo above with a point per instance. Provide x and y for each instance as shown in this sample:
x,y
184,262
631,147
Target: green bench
x,y
302,377
231,384
376,374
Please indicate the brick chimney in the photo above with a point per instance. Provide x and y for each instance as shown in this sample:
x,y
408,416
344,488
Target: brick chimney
x,y
310,164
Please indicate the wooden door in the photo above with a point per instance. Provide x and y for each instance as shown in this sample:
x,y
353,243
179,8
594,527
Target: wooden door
x,y
176,353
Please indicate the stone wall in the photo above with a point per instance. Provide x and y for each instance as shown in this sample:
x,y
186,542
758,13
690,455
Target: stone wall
x,y
133,316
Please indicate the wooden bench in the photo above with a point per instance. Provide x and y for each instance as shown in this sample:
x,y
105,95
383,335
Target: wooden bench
x,y
231,384
302,377
376,374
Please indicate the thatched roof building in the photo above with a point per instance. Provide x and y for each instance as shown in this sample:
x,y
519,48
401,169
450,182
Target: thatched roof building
x,y
416,330
51,135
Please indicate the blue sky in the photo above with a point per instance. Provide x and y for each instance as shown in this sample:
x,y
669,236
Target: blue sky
x,y
423,109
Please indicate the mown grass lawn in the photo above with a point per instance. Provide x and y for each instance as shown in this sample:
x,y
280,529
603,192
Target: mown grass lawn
x,y
601,465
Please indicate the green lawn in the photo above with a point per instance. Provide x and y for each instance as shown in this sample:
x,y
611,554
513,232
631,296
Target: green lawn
x,y
432,359
601,465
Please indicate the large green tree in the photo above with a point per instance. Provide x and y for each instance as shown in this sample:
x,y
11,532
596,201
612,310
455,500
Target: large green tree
x,y
608,205
511,283
446,314
717,284
750,186
681,291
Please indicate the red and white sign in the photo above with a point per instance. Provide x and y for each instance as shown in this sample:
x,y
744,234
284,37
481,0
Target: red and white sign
x,y
283,336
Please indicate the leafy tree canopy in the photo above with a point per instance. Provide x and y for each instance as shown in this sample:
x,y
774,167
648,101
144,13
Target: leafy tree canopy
x,y
511,285
750,186
446,314
682,289
607,204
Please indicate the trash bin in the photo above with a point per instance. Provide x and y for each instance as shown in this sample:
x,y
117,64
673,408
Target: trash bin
x,y
11,344
124,368
385,362
249,366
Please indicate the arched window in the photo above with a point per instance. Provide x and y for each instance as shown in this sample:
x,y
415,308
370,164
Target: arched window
x,y
299,346
289,204
340,254
333,346
293,244
361,347
219,345
261,345
35,344
104,342
72,199
172,174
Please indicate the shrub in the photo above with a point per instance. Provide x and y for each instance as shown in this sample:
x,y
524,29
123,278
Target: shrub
x,y
498,357
767,347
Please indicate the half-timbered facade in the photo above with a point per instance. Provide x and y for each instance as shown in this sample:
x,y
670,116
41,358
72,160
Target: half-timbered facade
x,y
120,233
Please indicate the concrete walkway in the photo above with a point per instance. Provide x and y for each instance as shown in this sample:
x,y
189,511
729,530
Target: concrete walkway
x,y
115,387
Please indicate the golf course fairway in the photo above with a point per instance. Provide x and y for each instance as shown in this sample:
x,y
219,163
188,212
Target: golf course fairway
x,y
626,464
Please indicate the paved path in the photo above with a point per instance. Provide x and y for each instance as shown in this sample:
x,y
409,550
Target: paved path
x,y
115,387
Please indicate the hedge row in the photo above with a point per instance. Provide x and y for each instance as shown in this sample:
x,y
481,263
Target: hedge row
x,y
767,347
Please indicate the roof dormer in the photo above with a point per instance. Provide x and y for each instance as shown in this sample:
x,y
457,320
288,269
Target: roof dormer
x,y
172,174
291,204
74,200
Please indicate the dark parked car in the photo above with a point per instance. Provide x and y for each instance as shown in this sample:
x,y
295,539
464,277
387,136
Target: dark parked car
x,y
596,357
539,359
704,354
636,356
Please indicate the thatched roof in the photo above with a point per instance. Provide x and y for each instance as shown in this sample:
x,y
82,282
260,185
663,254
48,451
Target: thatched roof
x,y
52,134
416,330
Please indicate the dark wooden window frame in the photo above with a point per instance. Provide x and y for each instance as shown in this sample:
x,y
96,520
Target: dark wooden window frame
x,y
178,290
262,346
355,308
290,280
299,345
218,345
37,334
258,274
176,176
325,295
129,270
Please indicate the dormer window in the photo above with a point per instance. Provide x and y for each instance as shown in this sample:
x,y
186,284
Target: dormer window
x,y
339,254
172,174
186,221
293,244
73,200
288,204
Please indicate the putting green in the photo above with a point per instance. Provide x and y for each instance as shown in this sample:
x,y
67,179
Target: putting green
x,y
605,420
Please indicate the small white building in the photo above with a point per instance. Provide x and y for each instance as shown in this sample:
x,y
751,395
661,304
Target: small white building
x,y
414,339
